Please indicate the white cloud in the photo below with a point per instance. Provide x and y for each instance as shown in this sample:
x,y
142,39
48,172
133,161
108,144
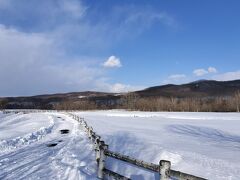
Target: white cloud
x,y
212,70
200,72
176,79
36,63
31,64
112,62
120,88
227,76
177,76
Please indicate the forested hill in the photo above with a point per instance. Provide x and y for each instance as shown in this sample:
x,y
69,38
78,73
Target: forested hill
x,y
203,93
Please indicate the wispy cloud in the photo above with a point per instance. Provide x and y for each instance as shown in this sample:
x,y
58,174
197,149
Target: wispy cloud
x,y
147,17
134,20
4,4
32,64
177,76
73,7
72,20
176,79
37,67
47,44
227,76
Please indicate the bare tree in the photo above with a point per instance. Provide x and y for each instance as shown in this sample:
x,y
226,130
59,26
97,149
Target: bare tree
x,y
3,103
237,100
129,101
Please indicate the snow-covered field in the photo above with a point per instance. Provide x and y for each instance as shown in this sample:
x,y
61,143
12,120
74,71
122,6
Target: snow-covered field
x,y
203,144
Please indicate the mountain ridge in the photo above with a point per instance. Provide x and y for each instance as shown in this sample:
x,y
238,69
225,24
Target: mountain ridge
x,y
196,89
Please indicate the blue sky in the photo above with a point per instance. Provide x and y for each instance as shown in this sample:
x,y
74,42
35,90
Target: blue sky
x,y
51,46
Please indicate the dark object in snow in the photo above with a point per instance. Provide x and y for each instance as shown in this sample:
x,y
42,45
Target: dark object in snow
x,y
51,145
60,140
64,131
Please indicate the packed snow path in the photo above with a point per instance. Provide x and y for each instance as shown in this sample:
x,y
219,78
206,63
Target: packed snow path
x,y
33,147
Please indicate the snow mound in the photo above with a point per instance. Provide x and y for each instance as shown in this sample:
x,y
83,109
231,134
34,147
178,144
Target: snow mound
x,y
8,145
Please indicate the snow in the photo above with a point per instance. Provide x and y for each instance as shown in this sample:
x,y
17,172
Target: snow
x,y
81,97
18,130
72,158
202,144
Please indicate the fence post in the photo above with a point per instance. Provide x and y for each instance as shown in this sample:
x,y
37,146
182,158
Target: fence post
x,y
90,132
85,125
101,164
97,149
164,169
93,136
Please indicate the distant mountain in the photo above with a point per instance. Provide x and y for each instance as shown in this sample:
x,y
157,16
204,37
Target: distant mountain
x,y
201,89
47,101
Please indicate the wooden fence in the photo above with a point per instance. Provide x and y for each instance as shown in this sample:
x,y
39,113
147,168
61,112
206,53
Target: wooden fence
x,y
102,152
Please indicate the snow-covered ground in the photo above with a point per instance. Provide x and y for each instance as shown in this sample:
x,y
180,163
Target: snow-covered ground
x,y
24,151
203,144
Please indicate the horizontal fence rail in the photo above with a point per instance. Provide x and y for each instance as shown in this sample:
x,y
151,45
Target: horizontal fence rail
x,y
139,163
152,167
102,152
114,175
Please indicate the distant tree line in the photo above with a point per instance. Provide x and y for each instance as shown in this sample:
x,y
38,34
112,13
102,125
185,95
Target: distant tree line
x,y
132,101
78,105
207,104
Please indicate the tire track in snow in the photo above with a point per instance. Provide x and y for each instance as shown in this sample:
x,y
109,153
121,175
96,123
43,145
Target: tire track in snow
x,y
75,157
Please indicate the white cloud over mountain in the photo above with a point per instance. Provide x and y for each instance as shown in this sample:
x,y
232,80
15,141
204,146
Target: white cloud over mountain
x,y
210,73
212,70
227,76
202,72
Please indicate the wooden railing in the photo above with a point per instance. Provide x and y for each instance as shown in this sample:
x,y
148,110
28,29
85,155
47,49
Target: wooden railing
x,y
102,152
